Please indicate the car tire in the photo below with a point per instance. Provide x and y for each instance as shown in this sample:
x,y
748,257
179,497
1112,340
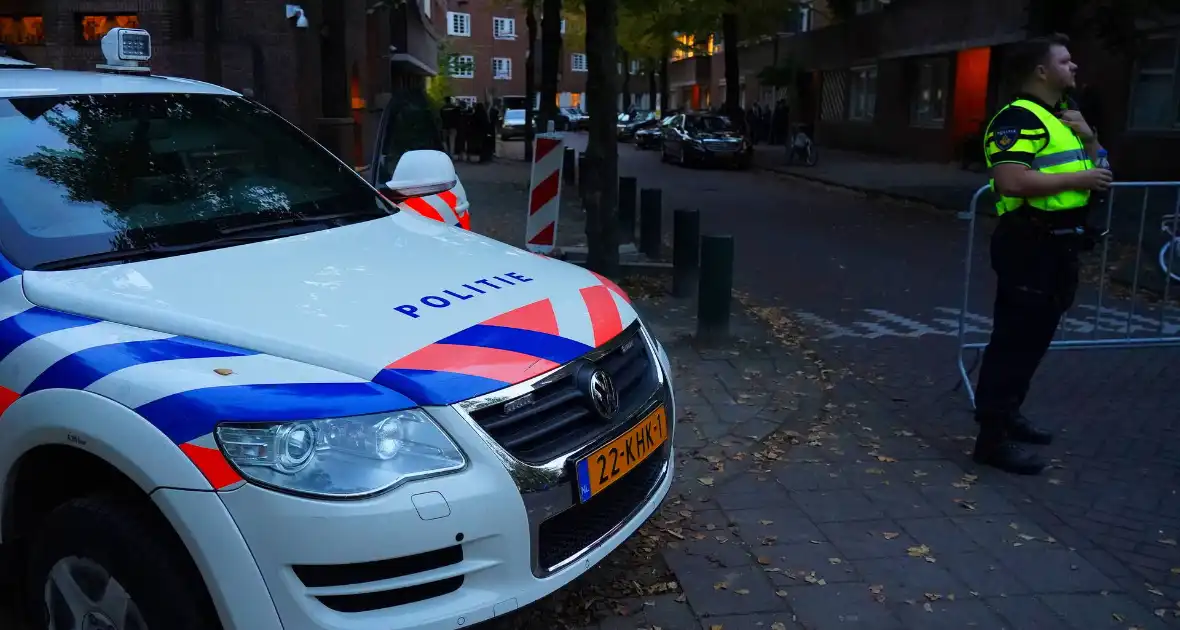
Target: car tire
x,y
120,552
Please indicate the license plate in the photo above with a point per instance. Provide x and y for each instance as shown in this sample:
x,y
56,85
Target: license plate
x,y
608,464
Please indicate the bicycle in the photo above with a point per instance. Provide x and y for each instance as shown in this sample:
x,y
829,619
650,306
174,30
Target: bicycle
x,y
802,146
1170,252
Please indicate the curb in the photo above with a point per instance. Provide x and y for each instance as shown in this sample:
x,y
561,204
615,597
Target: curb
x,y
868,192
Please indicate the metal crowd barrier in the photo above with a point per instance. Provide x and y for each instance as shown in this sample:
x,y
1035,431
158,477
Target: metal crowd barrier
x,y
1123,328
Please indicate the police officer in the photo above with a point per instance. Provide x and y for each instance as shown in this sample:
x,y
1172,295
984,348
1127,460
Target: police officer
x,y
1042,174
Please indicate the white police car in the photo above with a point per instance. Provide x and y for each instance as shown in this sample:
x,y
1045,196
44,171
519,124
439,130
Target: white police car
x,y
239,389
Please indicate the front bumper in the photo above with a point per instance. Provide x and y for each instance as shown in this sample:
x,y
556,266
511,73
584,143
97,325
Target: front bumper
x,y
713,156
451,551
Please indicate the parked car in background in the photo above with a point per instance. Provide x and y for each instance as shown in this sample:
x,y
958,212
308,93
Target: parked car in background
x,y
513,126
578,120
634,121
706,139
649,137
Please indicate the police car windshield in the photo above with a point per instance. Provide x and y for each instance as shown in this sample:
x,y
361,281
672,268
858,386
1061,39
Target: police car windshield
x,y
85,175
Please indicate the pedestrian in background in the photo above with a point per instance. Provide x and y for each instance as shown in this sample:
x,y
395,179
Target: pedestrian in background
x,y
450,125
1041,160
494,115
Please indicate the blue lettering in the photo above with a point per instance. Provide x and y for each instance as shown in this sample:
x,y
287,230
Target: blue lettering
x,y
504,281
486,283
435,301
457,296
408,309
517,276
479,291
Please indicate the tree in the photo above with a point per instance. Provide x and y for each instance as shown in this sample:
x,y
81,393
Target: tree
x,y
602,150
551,45
530,76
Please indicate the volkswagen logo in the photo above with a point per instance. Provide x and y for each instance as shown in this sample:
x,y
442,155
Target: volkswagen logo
x,y
603,394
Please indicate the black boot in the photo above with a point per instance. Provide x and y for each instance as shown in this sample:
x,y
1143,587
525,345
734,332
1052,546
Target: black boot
x,y
1022,429
993,448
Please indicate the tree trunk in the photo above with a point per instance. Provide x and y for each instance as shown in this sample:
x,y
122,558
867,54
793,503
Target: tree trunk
x,y
530,77
665,89
653,89
733,79
602,150
625,60
550,60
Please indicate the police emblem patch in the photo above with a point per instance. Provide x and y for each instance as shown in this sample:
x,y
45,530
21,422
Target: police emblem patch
x,y
1005,138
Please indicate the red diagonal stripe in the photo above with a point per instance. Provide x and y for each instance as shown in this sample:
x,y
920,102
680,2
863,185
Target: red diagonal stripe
x,y
212,464
422,207
7,397
544,237
538,317
500,365
604,313
544,147
544,192
449,198
613,287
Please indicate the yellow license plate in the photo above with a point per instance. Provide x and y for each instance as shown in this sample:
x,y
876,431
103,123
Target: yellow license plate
x,y
609,463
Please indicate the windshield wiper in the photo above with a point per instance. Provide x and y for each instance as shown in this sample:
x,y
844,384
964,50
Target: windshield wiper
x,y
297,220
146,253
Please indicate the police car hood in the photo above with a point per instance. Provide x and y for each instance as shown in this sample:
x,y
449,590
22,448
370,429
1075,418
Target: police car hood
x,y
436,313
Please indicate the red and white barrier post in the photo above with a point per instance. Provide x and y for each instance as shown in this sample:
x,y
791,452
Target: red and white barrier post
x,y
544,194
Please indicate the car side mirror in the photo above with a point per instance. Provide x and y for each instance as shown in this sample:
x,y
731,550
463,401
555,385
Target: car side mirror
x,y
421,173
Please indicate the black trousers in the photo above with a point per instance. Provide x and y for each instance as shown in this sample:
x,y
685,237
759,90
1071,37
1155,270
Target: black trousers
x,y
1037,281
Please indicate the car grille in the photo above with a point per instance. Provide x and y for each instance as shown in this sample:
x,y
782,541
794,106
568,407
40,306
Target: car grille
x,y
560,418
316,576
579,527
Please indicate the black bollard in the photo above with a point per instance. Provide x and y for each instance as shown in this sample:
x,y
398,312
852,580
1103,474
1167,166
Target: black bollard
x,y
570,166
651,238
686,251
628,188
582,176
715,292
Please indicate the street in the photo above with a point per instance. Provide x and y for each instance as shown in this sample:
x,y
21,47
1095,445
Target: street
x,y
878,287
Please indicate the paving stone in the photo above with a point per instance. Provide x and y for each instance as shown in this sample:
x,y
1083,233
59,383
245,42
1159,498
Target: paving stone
x,y
901,501
868,539
910,578
711,590
906,448
976,500
811,476
841,607
948,615
806,564
1003,532
1082,612
940,534
759,528
658,611
1026,613
1054,571
983,574
761,621
746,492
727,554
836,505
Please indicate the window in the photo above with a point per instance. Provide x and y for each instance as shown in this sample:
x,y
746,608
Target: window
x,y
563,26
427,7
462,66
1155,94
928,100
862,93
578,62
634,66
22,30
91,28
804,19
501,68
458,24
152,175
504,28
411,126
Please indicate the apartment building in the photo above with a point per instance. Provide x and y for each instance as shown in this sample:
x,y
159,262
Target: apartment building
x,y
488,43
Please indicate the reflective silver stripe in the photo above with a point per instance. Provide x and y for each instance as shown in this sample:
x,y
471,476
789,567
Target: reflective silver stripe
x,y
1057,159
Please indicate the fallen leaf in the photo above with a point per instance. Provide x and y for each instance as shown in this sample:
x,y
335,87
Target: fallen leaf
x,y
681,598
1055,481
223,371
763,560
876,589
874,471
835,560
886,459
706,481
1175,570
890,535
1154,591
720,586
1117,617
933,596
781,593
1171,542
716,626
778,625
927,607
743,591
919,551
765,522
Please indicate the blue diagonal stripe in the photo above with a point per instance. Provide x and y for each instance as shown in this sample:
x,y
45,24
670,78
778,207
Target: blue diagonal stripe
x,y
536,344
83,368
188,415
33,323
429,387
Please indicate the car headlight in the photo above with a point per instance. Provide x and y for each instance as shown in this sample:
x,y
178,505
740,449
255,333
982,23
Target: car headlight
x,y
340,457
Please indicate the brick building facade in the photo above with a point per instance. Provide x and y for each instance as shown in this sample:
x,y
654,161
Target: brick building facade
x,y
918,78
332,78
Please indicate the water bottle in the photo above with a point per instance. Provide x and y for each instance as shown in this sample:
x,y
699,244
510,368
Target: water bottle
x,y
1100,198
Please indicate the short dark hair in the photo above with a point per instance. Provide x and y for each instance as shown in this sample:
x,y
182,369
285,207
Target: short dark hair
x,y
1024,57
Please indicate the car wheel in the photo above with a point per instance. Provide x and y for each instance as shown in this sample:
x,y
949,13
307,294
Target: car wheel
x,y
111,563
